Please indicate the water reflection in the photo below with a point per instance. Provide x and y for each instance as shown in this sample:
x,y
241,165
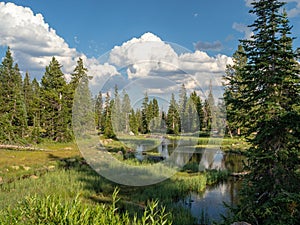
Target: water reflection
x,y
209,206
208,158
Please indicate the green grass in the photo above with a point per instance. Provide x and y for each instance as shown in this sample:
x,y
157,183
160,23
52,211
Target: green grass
x,y
53,209
35,181
73,178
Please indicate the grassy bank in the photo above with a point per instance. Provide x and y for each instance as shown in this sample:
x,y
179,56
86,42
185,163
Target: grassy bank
x,y
50,185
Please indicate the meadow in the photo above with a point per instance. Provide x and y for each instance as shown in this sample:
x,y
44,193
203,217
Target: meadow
x,y
56,185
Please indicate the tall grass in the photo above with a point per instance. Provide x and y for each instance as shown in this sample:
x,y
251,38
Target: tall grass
x,y
55,210
73,188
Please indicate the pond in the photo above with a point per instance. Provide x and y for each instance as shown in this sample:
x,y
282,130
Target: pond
x,y
208,158
207,206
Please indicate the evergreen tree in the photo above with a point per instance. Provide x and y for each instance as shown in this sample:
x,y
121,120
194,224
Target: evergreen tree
x,y
173,118
199,108
13,116
156,120
28,98
126,110
210,111
234,90
99,111
108,130
116,111
182,107
270,100
133,122
82,102
55,115
36,111
144,115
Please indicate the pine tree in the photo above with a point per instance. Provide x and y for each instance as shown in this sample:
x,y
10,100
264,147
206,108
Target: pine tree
x,y
233,90
270,100
28,98
55,115
108,130
199,108
173,118
13,116
144,115
133,122
116,112
36,111
126,110
99,111
182,107
82,119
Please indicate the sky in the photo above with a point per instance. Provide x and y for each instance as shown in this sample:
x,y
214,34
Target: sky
x,y
131,42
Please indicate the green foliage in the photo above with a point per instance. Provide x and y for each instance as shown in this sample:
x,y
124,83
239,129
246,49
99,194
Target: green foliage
x,y
108,130
98,111
55,210
173,118
83,118
270,103
13,115
234,90
54,103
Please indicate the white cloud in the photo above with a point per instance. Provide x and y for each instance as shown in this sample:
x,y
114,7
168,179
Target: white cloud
x,y
293,12
148,56
144,54
33,43
243,29
32,40
248,2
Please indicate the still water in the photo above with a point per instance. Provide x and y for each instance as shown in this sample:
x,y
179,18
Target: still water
x,y
207,206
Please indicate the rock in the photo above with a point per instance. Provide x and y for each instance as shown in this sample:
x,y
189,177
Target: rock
x,y
51,167
34,177
120,153
71,160
26,168
15,167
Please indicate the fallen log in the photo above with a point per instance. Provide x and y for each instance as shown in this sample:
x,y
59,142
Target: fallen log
x,y
23,148
240,174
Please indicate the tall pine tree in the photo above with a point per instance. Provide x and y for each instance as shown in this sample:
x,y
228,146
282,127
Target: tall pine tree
x,y
55,117
271,103
233,90
13,116
82,119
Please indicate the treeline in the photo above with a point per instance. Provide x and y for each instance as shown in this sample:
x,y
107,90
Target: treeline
x,y
115,115
32,110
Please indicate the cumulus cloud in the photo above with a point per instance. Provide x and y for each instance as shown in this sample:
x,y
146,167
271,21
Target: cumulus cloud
x,y
144,54
31,39
148,61
148,58
204,46
33,43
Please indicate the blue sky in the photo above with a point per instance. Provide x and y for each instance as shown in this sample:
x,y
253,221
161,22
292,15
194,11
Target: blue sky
x,y
100,25
96,26
37,30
